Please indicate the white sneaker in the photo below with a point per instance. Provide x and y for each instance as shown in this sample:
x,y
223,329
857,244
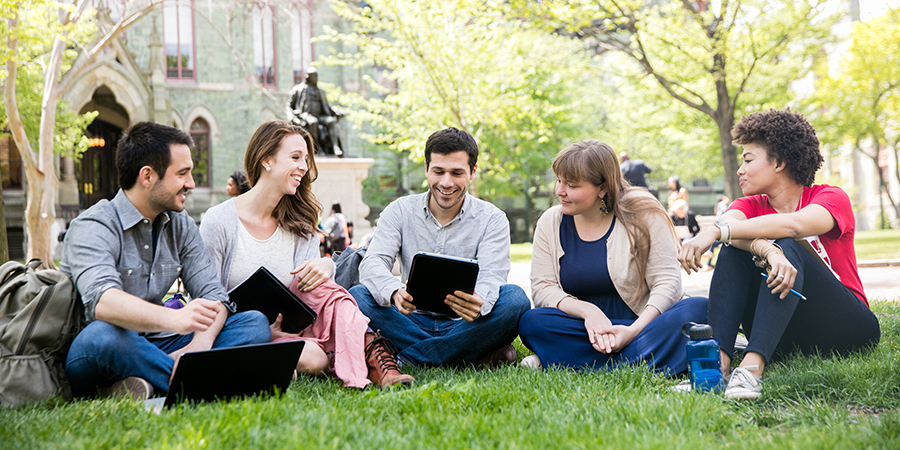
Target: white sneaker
x,y
532,362
744,385
684,386
740,343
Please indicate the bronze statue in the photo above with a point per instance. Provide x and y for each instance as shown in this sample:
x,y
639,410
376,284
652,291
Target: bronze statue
x,y
308,108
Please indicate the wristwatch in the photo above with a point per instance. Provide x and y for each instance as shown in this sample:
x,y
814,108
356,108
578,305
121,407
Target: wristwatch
x,y
724,231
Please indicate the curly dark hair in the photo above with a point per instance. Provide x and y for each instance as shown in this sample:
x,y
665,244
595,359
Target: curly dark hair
x,y
785,135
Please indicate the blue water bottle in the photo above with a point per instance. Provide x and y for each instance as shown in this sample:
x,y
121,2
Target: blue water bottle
x,y
704,359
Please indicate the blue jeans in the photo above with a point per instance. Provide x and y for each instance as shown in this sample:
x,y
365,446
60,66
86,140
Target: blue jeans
x,y
832,320
560,339
437,340
104,353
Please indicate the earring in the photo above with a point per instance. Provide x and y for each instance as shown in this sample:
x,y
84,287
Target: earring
x,y
268,169
603,208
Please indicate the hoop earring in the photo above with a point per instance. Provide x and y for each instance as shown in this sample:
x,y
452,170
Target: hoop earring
x,y
603,208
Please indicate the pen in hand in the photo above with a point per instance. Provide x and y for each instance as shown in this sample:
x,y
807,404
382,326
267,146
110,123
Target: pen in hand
x,y
802,297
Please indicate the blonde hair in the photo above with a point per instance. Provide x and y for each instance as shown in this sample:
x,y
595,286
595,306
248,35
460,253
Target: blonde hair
x,y
298,213
595,162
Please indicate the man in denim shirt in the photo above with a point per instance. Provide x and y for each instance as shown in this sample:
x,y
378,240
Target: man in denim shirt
x,y
124,255
449,221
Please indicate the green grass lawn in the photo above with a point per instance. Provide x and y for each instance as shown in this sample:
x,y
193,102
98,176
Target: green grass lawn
x,y
520,253
873,244
877,244
851,402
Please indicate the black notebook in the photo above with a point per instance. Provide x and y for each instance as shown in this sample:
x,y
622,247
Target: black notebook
x,y
264,293
432,277
230,372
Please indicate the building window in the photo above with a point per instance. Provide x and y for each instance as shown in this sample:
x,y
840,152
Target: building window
x,y
116,8
178,27
10,164
301,39
200,152
264,44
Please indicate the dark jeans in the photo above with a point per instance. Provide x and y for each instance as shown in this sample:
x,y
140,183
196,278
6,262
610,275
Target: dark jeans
x,y
832,320
560,339
437,340
104,353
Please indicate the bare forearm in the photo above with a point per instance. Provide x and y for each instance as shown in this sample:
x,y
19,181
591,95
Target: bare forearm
x,y
204,340
132,313
649,313
812,220
577,308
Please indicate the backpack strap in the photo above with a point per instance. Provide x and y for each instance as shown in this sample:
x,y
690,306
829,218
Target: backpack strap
x,y
10,269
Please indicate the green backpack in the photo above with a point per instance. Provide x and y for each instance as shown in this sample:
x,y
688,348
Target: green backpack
x,y
40,314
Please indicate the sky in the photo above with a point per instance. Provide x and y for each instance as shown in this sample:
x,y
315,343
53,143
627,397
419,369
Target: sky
x,y
870,8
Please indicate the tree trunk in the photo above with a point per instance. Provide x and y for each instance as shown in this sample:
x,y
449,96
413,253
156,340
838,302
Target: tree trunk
x,y
724,117
33,176
41,211
729,159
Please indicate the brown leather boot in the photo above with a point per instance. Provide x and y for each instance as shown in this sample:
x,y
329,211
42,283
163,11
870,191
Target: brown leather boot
x,y
383,368
503,356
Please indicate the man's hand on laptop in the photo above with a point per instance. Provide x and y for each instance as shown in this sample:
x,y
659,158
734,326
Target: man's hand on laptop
x,y
403,301
205,319
312,273
468,306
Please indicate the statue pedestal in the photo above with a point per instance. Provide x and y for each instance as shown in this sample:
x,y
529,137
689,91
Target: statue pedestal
x,y
340,181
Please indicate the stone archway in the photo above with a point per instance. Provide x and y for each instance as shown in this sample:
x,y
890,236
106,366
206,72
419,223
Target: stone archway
x,y
123,101
96,171
130,94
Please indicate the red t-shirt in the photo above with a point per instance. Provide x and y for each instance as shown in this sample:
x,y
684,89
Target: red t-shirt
x,y
836,246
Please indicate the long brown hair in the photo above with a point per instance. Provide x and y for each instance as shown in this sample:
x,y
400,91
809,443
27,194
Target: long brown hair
x,y
595,162
298,213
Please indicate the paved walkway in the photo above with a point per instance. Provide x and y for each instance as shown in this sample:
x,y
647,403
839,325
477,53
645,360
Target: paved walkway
x,y
881,281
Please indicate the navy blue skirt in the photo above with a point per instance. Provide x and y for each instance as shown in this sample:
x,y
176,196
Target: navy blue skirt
x,y
560,339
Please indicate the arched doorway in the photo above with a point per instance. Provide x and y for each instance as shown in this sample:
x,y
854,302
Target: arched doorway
x,y
97,175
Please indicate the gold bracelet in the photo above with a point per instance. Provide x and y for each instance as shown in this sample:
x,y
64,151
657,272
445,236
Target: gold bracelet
x,y
775,249
752,243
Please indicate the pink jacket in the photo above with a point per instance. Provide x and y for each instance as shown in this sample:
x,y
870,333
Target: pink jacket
x,y
340,330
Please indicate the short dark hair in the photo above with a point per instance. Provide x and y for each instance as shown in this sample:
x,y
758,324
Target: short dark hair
x,y
336,208
146,144
786,136
240,180
450,140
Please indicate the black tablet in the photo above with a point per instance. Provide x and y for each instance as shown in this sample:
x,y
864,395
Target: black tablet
x,y
265,293
432,277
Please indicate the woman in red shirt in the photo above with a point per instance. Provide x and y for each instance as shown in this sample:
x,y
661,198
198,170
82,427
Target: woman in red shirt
x,y
787,274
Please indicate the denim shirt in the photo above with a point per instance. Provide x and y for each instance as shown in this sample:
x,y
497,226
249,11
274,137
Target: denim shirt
x,y
480,231
110,246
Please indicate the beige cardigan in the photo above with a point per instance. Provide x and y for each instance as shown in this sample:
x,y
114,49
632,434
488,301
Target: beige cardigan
x,y
661,286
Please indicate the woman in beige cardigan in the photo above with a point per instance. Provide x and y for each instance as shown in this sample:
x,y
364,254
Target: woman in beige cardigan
x,y
604,274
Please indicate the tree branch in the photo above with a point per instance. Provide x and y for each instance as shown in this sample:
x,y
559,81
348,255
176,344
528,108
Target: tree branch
x,y
16,127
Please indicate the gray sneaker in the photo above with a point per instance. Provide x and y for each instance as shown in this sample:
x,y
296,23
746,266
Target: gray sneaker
x,y
134,387
744,385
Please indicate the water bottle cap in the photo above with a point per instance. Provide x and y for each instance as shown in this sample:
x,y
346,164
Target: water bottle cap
x,y
697,332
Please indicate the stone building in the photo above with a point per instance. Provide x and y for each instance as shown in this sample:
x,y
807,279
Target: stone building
x,y
215,69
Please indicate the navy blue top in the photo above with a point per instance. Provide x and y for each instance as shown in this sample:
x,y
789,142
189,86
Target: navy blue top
x,y
582,269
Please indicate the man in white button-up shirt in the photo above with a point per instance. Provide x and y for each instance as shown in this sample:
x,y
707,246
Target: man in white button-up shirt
x,y
449,221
